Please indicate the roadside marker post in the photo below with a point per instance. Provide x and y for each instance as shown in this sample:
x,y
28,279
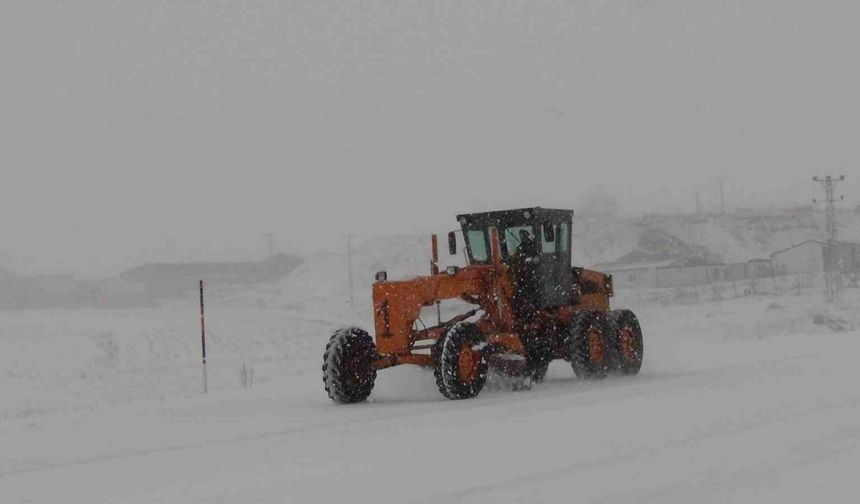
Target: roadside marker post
x,y
203,340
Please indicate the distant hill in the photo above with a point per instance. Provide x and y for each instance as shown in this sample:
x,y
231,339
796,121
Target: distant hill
x,y
657,246
735,237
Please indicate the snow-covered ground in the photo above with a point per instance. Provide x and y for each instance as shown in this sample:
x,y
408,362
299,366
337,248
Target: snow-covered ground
x,y
744,400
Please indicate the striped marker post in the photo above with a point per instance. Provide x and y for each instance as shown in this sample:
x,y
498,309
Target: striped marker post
x,y
203,340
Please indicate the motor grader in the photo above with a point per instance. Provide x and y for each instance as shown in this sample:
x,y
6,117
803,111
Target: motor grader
x,y
527,306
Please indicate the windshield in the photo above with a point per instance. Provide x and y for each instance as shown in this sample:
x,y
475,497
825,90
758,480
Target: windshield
x,y
520,239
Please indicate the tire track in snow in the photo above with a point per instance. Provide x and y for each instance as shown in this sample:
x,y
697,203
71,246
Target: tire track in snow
x,y
734,429
745,476
731,428
304,429
612,390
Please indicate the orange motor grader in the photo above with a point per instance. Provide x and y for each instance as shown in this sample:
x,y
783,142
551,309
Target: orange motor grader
x,y
529,306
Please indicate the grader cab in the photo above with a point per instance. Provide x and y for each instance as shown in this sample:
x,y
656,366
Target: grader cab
x,y
528,306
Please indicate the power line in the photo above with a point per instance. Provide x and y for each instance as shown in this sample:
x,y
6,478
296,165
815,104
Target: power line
x,y
832,271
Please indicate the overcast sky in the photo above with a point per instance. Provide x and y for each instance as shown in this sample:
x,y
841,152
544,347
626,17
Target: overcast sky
x,y
173,130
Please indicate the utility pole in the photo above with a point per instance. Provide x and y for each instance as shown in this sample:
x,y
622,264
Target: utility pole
x,y
722,182
832,271
349,268
698,204
270,244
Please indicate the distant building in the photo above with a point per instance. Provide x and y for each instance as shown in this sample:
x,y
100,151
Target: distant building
x,y
58,285
115,293
43,291
735,272
688,276
849,257
669,274
804,258
759,268
810,257
633,275
172,279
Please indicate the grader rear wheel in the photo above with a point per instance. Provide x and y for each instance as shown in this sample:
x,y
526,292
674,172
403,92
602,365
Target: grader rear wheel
x,y
626,341
588,345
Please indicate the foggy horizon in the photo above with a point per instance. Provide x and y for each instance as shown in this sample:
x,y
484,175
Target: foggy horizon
x,y
136,133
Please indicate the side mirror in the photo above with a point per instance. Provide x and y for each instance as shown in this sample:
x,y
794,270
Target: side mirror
x,y
548,232
452,243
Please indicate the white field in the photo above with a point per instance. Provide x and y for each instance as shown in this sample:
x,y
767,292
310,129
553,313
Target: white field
x,y
745,400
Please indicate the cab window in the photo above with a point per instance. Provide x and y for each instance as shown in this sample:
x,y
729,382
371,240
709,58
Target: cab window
x,y
562,236
546,246
512,237
477,242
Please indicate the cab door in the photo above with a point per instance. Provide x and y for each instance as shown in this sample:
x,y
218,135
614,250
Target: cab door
x,y
556,276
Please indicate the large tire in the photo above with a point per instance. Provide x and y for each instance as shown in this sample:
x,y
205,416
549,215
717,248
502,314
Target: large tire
x,y
588,345
626,341
348,372
461,366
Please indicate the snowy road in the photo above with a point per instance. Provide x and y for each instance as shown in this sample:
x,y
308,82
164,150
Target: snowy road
x,y
762,419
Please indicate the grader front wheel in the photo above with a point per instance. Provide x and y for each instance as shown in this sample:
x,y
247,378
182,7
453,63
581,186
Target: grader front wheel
x,y
460,364
348,372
